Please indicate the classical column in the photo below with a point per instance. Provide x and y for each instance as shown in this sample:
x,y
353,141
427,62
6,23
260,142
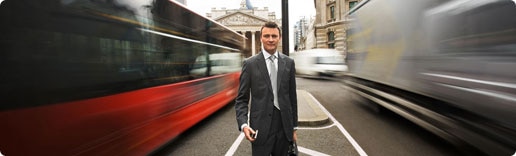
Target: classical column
x,y
243,40
253,45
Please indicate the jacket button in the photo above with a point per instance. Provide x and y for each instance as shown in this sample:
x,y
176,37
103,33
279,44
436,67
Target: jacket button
x,y
270,114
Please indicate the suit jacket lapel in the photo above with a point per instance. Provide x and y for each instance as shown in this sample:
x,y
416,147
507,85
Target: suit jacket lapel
x,y
262,66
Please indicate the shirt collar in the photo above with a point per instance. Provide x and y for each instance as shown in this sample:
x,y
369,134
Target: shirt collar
x,y
266,55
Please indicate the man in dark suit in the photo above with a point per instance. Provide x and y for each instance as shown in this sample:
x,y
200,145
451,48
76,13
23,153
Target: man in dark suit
x,y
268,81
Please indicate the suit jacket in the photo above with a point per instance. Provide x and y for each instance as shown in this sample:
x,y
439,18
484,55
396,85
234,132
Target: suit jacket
x,y
255,86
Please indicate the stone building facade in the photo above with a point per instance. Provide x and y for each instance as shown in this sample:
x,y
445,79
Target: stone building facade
x,y
246,21
331,23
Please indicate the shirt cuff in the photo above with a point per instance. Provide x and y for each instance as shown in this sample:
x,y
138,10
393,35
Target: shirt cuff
x,y
243,126
295,128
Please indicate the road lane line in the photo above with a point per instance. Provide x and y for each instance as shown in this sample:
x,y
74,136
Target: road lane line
x,y
348,136
341,128
235,145
317,128
310,152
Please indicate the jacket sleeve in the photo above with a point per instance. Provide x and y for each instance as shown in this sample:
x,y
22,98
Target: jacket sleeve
x,y
293,93
242,99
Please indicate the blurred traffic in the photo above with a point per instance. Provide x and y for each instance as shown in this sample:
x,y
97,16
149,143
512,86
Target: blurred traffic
x,y
109,77
448,66
220,63
320,63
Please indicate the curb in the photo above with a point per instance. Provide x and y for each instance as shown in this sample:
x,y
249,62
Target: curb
x,y
309,111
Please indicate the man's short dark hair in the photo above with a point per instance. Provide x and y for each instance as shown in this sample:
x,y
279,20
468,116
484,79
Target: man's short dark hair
x,y
271,24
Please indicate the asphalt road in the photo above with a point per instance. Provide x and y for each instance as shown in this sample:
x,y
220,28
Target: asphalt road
x,y
355,129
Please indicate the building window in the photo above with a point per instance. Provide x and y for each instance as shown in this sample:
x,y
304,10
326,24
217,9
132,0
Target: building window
x,y
331,45
331,36
331,39
352,4
332,13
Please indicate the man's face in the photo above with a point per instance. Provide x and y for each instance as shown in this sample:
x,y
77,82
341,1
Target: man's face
x,y
270,39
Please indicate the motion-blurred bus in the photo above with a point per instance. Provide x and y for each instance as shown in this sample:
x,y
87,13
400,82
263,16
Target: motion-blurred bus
x,y
219,63
106,77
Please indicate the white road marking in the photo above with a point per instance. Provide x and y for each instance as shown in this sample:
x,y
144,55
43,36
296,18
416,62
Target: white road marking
x,y
317,128
235,145
357,147
341,128
310,152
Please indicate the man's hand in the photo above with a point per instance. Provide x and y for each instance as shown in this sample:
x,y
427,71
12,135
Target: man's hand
x,y
248,131
295,136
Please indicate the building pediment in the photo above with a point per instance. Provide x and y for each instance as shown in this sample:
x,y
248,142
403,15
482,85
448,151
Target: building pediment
x,y
240,18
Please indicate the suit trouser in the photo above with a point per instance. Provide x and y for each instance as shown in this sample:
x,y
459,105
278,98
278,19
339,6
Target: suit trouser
x,y
277,143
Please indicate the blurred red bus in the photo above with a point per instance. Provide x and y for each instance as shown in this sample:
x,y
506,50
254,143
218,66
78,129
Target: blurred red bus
x,y
106,77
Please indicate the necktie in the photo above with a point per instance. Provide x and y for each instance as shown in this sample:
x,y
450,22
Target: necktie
x,y
274,80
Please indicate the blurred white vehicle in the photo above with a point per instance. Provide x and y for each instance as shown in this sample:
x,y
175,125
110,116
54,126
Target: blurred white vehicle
x,y
320,63
219,63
